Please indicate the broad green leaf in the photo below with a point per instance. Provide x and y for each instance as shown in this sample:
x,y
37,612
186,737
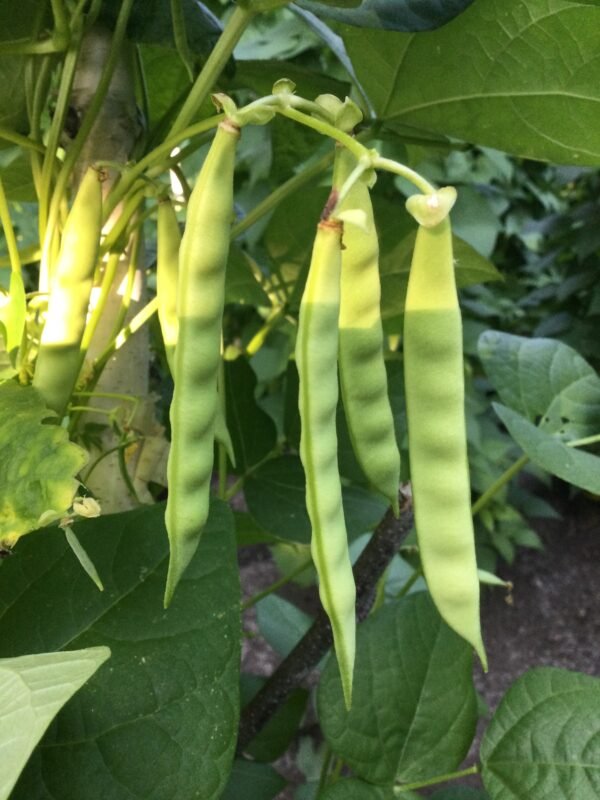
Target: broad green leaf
x,y
414,708
38,464
161,720
520,77
261,75
276,36
574,466
167,79
470,268
16,22
353,789
17,178
275,495
253,781
544,380
278,733
281,623
33,689
393,15
252,431
544,740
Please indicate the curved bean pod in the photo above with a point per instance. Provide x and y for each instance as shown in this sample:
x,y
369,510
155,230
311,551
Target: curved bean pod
x,y
363,378
316,359
434,378
200,299
58,361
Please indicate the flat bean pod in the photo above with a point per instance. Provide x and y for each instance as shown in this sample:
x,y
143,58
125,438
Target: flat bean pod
x,y
316,359
434,379
200,299
363,378
58,361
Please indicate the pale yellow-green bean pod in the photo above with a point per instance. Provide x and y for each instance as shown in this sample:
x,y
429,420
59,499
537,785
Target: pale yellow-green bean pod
x,y
363,378
434,379
316,359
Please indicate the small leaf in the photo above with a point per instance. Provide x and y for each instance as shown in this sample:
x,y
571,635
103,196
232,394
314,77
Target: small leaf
x,y
281,623
545,381
544,739
38,464
574,466
33,689
414,708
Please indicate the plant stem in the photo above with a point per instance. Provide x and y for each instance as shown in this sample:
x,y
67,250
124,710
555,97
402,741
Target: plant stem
x,y
498,484
280,193
22,141
273,587
409,583
220,54
405,172
9,232
450,776
324,128
324,774
369,567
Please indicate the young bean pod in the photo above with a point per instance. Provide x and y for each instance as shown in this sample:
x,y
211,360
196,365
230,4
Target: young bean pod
x,y
316,359
58,361
168,242
434,378
200,298
363,378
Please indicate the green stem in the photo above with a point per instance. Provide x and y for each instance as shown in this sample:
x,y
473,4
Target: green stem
x,y
216,62
252,601
180,37
324,774
405,172
450,776
324,128
239,484
498,484
259,338
136,323
153,161
22,141
9,232
278,195
89,119
409,583
584,442
110,270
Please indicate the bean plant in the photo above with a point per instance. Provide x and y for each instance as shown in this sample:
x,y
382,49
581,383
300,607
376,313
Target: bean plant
x,y
242,305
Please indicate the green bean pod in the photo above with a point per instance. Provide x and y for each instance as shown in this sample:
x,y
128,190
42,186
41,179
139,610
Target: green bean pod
x,y
434,379
200,299
58,361
316,359
168,241
363,378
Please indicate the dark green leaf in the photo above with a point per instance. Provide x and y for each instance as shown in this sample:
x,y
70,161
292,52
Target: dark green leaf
x,y
275,495
240,284
161,719
488,77
574,466
253,782
414,708
261,75
544,740
393,15
252,432
459,793
545,381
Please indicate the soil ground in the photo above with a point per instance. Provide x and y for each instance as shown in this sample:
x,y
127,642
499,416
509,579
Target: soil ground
x,y
552,619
